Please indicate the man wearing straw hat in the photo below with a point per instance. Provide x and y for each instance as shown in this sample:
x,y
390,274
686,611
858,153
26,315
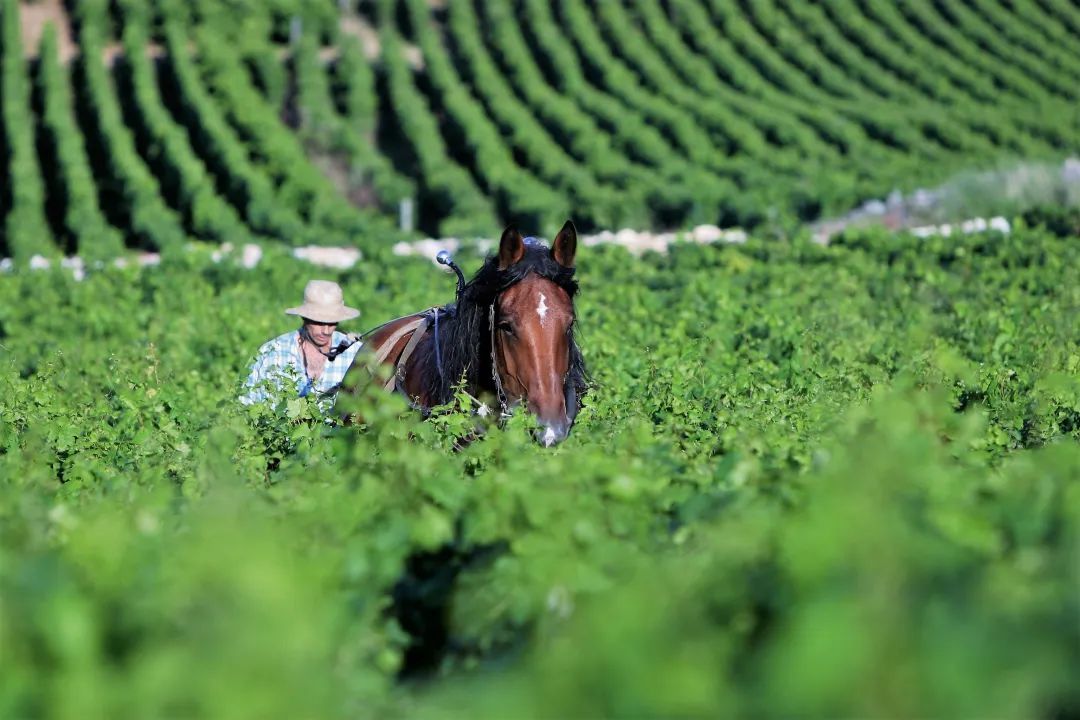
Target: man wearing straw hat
x,y
305,356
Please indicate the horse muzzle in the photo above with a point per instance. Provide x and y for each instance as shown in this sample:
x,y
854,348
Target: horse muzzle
x,y
550,434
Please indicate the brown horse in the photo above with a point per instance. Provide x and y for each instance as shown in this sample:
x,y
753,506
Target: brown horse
x,y
509,336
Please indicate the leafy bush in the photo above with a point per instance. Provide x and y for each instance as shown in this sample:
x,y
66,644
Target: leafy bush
x,y
819,480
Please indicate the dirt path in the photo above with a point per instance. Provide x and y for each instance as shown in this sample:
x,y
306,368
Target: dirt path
x,y
368,36
360,29
33,17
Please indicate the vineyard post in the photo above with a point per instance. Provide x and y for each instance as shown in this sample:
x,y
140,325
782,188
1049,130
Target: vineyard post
x,y
405,214
296,26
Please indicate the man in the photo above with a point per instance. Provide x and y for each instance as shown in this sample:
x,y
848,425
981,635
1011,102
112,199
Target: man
x,y
302,357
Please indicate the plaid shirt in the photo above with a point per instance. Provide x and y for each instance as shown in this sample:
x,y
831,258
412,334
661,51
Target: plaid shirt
x,y
281,361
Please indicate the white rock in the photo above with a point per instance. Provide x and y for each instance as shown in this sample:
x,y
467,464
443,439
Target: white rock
x,y
559,602
874,207
707,234
251,256
429,247
974,225
645,242
340,258
1070,170
76,265
604,236
923,198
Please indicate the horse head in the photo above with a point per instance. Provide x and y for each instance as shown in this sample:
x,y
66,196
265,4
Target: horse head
x,y
510,333
535,360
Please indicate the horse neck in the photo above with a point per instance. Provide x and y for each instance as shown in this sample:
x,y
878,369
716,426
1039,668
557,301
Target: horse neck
x,y
465,349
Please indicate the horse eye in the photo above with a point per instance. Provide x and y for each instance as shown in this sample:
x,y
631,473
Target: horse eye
x,y
506,327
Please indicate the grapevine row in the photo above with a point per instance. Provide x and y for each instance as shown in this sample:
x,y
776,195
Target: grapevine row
x,y
975,26
515,190
299,184
129,186
185,181
85,228
802,69
850,140
686,187
26,232
1031,138
236,178
723,112
324,128
448,193
601,151
597,205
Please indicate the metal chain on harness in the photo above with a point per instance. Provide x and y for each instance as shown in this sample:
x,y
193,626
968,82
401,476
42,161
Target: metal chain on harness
x,y
504,406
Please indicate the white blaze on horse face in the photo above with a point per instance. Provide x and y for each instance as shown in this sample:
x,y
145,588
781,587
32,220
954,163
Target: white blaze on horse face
x,y
542,308
549,437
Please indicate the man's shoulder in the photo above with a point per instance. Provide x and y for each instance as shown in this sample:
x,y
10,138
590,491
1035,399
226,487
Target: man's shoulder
x,y
282,343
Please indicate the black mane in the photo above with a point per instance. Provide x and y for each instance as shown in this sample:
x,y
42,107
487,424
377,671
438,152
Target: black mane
x,y
464,335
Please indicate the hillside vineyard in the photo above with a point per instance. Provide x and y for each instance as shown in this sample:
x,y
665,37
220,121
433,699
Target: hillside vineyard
x,y
142,123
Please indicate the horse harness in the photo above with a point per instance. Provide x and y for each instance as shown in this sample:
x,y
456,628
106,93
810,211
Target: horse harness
x,y
504,405
418,328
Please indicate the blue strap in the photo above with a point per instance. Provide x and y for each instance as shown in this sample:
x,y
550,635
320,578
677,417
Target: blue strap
x,y
438,349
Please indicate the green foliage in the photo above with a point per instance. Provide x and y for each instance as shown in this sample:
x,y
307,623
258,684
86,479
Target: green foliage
x,y
238,180
807,480
88,231
325,131
25,230
820,481
310,122
132,189
447,190
185,181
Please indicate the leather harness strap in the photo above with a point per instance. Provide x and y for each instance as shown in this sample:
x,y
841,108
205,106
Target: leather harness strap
x,y
418,330
389,343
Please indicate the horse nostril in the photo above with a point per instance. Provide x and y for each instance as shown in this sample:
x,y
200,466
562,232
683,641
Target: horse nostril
x,y
551,434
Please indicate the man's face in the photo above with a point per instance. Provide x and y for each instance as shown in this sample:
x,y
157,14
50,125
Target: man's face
x,y
320,333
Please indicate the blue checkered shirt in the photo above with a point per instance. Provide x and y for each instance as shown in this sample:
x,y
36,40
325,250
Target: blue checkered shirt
x,y
281,362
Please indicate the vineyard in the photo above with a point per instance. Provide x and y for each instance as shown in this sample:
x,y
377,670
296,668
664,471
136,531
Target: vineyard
x,y
809,479
148,123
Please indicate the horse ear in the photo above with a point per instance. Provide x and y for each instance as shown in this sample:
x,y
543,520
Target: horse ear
x,y
565,245
511,247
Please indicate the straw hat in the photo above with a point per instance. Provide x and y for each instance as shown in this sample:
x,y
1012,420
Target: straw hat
x,y
324,303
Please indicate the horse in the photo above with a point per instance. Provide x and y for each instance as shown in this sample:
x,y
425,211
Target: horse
x,y
510,335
